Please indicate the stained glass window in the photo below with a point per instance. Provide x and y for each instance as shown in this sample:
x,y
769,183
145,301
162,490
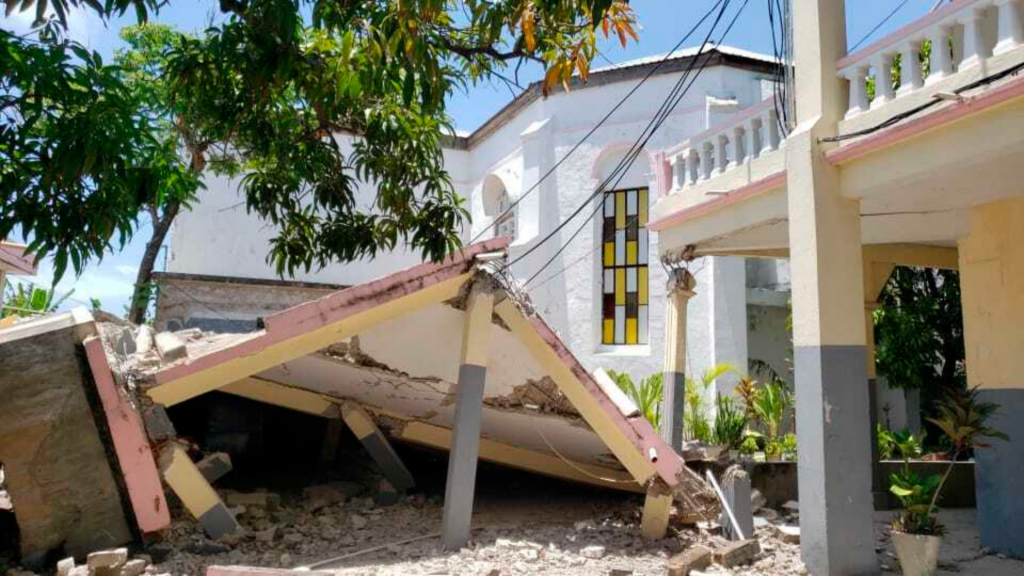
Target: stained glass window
x,y
624,266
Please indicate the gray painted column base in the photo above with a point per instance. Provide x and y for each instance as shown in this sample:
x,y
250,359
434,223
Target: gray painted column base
x,y
736,487
879,491
462,458
834,460
673,403
999,476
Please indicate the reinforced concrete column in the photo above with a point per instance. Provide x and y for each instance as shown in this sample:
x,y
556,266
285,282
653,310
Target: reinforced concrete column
x,y
876,275
462,458
679,291
992,294
830,356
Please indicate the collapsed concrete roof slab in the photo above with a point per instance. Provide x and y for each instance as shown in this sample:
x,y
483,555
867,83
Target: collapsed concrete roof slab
x,y
393,346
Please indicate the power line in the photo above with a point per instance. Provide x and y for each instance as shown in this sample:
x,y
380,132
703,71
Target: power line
x,y
600,123
879,25
668,106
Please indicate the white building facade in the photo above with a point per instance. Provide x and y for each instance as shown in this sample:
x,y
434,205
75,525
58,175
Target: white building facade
x,y
604,292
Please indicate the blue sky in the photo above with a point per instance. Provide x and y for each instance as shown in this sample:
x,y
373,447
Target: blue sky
x,y
662,24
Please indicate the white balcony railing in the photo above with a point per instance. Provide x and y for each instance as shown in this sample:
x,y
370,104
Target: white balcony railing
x,y
973,30
726,146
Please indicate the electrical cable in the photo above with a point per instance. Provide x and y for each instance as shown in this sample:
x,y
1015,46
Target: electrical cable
x,y
879,25
921,108
656,121
639,148
600,123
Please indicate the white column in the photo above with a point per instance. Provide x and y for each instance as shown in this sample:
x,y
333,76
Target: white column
x,y
707,159
678,171
753,150
974,40
739,152
772,134
858,78
910,68
882,64
1011,28
941,60
721,155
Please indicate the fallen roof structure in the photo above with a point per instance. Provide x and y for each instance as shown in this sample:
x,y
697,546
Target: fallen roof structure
x,y
440,355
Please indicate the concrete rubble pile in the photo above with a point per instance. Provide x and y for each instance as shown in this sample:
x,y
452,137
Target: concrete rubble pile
x,y
90,400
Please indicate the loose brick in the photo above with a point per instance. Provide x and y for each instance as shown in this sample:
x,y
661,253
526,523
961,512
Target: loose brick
x,y
737,553
693,558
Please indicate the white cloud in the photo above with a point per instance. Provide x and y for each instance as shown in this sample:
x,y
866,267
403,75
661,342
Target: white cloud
x,y
130,271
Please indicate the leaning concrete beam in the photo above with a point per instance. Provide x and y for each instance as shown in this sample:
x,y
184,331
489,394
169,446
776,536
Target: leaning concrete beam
x,y
134,454
460,488
288,397
633,441
332,436
187,482
309,327
363,426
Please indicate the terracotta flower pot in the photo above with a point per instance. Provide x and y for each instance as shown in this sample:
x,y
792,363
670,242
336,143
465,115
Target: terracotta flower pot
x,y
918,553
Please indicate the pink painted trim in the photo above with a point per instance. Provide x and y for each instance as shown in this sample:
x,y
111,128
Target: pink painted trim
x,y
336,307
641,434
738,118
131,444
922,124
740,194
904,33
259,571
13,259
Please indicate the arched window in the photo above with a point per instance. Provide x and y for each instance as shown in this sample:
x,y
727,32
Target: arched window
x,y
498,205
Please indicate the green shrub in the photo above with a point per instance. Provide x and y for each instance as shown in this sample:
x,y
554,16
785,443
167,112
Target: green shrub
x,y
647,395
730,422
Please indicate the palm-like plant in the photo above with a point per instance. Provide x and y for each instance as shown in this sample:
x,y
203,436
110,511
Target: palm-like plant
x,y
696,423
647,395
730,422
770,404
30,301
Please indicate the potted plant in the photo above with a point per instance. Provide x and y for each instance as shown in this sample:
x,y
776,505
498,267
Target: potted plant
x,y
916,531
748,448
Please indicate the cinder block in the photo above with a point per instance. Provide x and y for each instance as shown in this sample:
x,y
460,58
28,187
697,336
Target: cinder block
x,y
170,347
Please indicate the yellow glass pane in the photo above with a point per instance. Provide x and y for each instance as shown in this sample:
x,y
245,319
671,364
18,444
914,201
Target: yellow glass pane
x,y
642,284
620,210
620,287
631,331
609,254
609,332
631,252
643,207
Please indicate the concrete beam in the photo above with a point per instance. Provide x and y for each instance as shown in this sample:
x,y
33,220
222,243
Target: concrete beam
x,y
913,255
656,513
270,392
128,435
523,459
309,327
332,436
376,443
460,488
199,498
584,398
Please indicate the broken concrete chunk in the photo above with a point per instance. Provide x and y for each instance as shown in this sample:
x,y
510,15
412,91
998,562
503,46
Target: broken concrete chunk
x,y
252,500
788,534
386,495
593,552
757,500
792,506
737,553
693,558
170,347
144,340
135,567
65,566
358,522
158,424
107,562
214,466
